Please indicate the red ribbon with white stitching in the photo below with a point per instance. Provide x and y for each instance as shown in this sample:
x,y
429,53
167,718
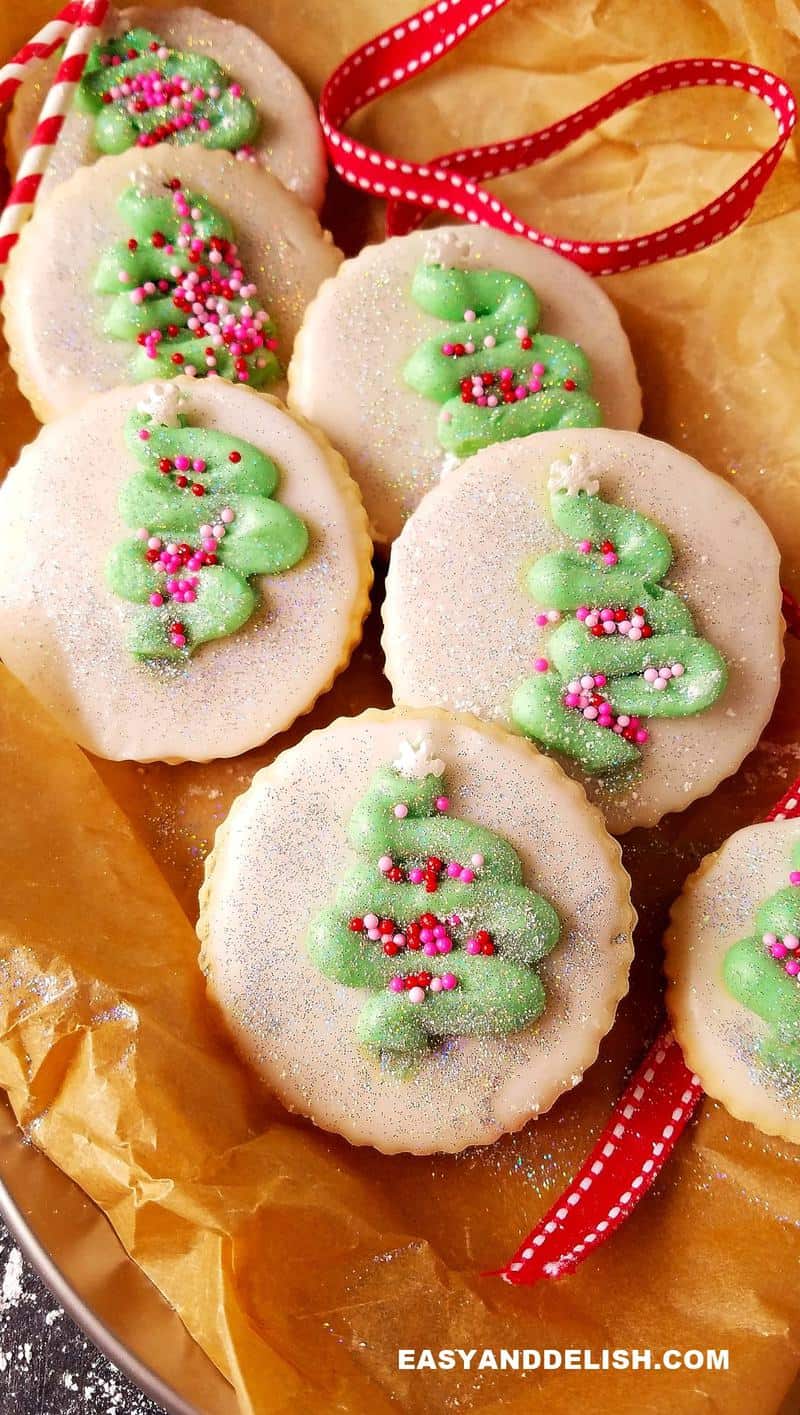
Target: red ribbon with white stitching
x,y
645,1125
450,183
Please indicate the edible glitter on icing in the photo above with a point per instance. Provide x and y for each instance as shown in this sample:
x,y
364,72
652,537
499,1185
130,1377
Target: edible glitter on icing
x,y
762,972
628,649
481,945
181,292
141,91
446,248
494,375
206,526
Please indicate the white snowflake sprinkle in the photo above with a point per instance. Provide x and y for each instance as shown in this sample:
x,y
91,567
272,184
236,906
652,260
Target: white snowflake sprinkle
x,y
574,475
415,760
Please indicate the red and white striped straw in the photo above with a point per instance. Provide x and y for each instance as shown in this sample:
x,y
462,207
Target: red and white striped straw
x,y
78,24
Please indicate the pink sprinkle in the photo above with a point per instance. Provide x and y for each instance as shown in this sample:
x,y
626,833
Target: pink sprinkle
x,y
453,870
610,558
450,981
794,877
416,876
584,546
581,613
793,966
541,665
467,876
401,810
385,863
442,803
472,946
144,434
541,620
156,600
396,985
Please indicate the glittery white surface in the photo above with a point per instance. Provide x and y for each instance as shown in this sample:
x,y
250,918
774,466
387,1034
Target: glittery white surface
x,y
55,318
460,625
347,370
280,859
289,141
64,632
716,910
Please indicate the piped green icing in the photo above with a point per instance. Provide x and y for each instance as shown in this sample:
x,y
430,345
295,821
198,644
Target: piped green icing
x,y
494,993
578,584
180,291
550,377
140,91
760,981
258,536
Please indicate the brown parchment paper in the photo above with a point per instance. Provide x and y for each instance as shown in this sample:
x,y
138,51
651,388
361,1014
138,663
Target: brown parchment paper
x,y
299,1264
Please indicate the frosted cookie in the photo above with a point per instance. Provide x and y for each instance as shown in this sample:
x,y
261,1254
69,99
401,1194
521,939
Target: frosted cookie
x,y
733,960
416,929
146,265
179,76
606,596
186,569
430,346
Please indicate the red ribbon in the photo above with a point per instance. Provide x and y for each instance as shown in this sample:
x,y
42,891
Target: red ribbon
x,y
660,1099
450,183
645,1125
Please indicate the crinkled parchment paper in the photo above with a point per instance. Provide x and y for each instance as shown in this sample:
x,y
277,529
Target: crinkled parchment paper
x,y
301,1265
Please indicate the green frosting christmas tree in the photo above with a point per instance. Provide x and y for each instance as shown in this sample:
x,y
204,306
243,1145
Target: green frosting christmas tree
x,y
141,92
433,919
180,292
205,524
625,648
763,972
494,375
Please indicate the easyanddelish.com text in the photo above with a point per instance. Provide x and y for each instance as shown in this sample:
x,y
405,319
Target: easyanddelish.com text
x,y
572,1359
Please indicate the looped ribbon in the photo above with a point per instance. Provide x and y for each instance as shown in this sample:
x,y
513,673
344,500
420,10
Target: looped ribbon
x,y
661,1097
450,183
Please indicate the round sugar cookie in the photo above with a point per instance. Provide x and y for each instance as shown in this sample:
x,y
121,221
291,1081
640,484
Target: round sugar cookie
x,y
186,569
430,346
179,76
158,262
606,596
733,961
416,929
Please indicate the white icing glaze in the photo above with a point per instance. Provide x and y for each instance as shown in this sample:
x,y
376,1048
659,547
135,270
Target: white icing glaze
x,y
281,856
64,633
347,369
54,317
288,144
719,1035
465,552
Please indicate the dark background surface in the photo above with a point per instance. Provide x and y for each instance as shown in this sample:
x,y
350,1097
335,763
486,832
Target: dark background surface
x,y
47,1365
